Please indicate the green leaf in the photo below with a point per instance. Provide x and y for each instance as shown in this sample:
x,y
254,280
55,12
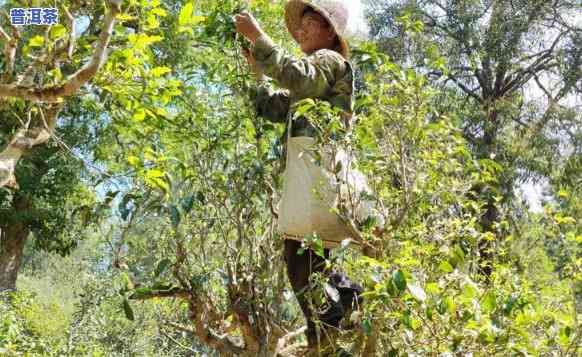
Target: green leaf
x,y
162,266
174,215
127,283
152,22
133,160
36,41
185,14
429,312
124,212
399,280
128,310
161,286
186,29
368,223
156,178
110,196
139,115
367,327
470,289
509,305
561,219
160,71
140,293
447,305
57,31
432,288
409,321
159,11
489,302
198,280
195,20
304,106
446,266
406,320
124,17
563,193
458,254
373,262
187,203
142,40
318,248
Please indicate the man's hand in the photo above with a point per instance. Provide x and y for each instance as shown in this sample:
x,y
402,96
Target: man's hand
x,y
247,26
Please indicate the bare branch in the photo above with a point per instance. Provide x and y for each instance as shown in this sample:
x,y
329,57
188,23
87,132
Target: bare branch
x,y
522,76
178,343
169,293
553,106
466,89
4,35
281,350
71,23
183,328
10,45
543,88
22,142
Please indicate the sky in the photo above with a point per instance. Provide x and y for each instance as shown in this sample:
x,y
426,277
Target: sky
x,y
358,28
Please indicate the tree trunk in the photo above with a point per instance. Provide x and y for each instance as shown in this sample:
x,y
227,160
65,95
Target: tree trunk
x,y
486,254
12,239
491,215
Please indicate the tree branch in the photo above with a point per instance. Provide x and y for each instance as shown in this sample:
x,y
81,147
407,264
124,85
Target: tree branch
x,y
247,331
26,138
199,318
523,75
282,348
71,23
466,89
76,80
208,337
22,142
10,45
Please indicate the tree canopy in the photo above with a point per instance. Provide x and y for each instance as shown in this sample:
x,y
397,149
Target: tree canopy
x,y
139,187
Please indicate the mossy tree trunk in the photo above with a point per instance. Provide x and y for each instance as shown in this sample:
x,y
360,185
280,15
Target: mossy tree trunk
x,y
13,235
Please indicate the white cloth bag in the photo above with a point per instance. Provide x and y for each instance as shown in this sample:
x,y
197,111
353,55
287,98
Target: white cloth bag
x,y
310,192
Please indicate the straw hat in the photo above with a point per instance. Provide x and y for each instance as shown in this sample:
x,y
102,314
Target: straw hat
x,y
333,11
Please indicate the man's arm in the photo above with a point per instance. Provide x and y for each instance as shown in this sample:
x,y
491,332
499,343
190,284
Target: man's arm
x,y
308,77
270,104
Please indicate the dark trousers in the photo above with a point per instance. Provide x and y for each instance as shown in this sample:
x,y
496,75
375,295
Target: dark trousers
x,y
299,270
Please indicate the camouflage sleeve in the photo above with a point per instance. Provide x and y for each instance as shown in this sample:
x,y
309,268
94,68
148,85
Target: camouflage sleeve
x,y
308,77
270,104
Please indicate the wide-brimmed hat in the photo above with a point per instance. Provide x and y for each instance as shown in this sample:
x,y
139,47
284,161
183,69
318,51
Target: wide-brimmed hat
x,y
335,12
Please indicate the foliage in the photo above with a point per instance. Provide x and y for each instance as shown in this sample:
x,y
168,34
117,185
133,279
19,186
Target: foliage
x,y
67,306
186,258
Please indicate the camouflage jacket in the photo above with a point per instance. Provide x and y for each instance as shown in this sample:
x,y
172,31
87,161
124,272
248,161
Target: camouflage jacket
x,y
324,74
